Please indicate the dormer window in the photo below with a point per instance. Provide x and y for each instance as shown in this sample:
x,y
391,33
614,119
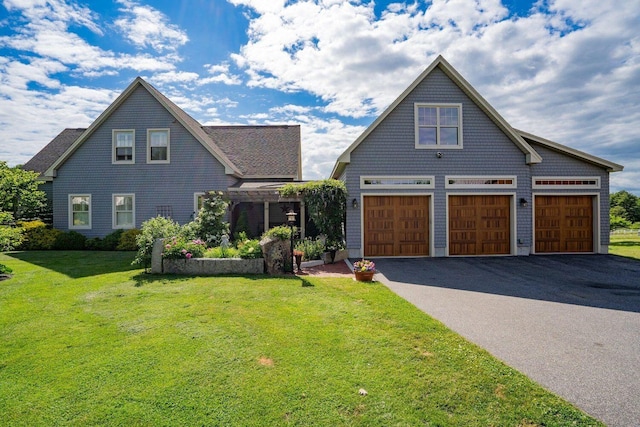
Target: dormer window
x,y
123,146
158,146
438,125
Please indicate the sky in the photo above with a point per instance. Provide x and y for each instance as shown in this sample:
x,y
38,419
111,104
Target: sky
x,y
565,70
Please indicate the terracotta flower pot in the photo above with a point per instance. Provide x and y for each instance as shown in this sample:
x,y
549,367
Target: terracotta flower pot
x,y
364,276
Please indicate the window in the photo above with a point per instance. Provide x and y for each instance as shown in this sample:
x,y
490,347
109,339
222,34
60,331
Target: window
x,y
124,211
387,182
123,146
79,211
564,182
480,182
438,126
158,146
198,201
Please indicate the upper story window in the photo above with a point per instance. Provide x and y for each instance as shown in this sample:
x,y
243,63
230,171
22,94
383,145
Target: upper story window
x,y
438,125
123,146
158,146
79,211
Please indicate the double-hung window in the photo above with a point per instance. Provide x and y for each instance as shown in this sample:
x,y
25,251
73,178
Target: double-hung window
x,y
158,146
124,211
123,146
79,211
438,125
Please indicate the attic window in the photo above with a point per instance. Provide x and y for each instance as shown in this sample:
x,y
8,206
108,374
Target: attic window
x,y
123,146
387,182
158,146
480,182
564,182
438,125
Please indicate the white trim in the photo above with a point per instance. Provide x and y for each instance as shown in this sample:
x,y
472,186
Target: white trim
x,y
485,184
113,147
597,247
114,224
567,186
70,213
437,145
430,185
168,159
513,221
431,217
196,208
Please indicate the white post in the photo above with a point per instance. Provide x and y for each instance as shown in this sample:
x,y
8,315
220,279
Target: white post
x,y
266,216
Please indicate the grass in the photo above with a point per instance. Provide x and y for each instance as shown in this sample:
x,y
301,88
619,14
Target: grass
x,y
88,340
625,245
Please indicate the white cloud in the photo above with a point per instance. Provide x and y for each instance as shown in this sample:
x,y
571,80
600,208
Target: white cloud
x,y
146,26
220,74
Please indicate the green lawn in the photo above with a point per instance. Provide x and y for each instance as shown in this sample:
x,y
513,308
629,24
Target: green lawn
x,y
87,340
625,245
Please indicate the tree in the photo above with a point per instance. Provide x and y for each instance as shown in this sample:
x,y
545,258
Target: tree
x,y
629,202
209,225
19,194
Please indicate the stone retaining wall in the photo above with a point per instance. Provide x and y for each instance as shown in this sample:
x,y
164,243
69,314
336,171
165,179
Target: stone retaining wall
x,y
210,266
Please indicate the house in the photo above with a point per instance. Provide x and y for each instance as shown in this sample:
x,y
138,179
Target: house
x,y
441,173
144,157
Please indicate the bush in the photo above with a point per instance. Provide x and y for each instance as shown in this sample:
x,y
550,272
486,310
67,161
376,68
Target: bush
x,y
179,248
111,240
5,270
93,244
312,248
281,232
127,240
40,238
10,238
250,249
69,241
152,229
209,224
220,252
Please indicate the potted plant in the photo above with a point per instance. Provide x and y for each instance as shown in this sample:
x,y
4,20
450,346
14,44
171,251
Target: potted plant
x,y
298,254
364,270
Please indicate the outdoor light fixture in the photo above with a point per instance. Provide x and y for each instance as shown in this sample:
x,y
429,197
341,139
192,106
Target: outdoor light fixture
x,y
291,220
523,202
354,203
439,154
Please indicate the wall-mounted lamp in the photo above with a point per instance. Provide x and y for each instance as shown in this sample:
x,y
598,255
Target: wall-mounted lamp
x,y
354,203
439,154
523,202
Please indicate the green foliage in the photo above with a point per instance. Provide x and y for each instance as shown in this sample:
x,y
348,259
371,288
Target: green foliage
x,y
617,222
19,192
220,252
281,232
326,202
242,225
181,248
312,248
249,249
152,229
209,224
39,237
111,240
69,241
10,237
5,270
625,205
6,218
128,240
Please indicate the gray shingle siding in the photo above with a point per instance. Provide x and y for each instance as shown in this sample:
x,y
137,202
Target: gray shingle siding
x,y
192,169
390,150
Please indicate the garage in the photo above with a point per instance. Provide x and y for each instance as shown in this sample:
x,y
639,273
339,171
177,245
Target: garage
x,y
480,225
564,223
396,226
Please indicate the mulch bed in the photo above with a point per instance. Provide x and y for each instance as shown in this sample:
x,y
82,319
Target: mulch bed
x,y
337,269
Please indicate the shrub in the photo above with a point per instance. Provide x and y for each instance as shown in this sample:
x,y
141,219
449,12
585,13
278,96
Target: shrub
x,y
220,252
40,238
93,244
312,248
69,241
209,224
10,238
281,232
250,249
152,229
5,270
127,240
179,248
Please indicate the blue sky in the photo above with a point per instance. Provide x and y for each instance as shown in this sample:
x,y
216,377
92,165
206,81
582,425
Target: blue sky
x,y
566,70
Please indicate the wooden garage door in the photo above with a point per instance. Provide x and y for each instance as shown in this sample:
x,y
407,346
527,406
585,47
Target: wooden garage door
x,y
479,225
396,225
564,224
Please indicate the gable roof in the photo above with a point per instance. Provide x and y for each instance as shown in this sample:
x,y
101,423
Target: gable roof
x,y
260,151
442,64
609,166
52,152
189,123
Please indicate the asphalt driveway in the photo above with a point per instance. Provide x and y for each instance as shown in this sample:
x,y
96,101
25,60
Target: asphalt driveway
x,y
569,322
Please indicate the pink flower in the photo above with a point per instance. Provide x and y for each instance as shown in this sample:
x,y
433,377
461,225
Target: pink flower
x,y
184,251
188,255
168,246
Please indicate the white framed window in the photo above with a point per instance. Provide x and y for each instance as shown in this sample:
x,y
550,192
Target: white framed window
x,y
124,211
198,201
79,211
158,146
565,182
480,182
389,182
124,146
438,125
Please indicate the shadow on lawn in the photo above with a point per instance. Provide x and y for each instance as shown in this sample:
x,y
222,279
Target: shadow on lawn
x,y
604,281
76,264
625,243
